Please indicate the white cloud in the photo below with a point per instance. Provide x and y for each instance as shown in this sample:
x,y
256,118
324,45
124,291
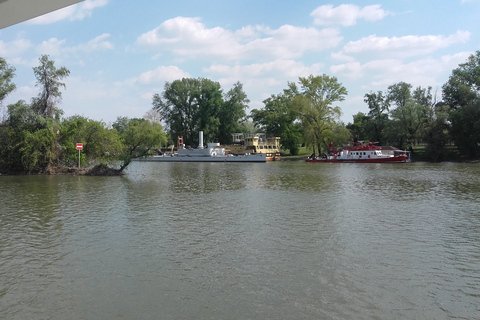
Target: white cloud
x,y
406,46
379,74
188,37
52,47
346,14
98,43
15,48
58,48
260,80
162,74
74,12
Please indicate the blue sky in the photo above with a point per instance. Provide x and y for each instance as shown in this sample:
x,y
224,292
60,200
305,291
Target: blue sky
x,y
121,52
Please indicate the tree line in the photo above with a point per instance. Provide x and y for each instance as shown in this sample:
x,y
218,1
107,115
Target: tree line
x,y
400,116
35,137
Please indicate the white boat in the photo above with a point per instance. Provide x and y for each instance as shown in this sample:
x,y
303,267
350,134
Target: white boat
x,y
362,154
212,153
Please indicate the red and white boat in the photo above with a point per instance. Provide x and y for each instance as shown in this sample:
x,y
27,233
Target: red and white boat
x,y
363,154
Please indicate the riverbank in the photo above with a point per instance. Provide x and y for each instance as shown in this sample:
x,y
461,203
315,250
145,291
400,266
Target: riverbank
x,y
98,170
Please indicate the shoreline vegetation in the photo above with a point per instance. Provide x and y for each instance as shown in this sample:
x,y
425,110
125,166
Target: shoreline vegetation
x,y
36,139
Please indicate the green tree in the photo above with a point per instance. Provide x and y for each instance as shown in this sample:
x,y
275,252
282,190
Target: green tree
x,y
18,139
6,75
463,85
100,143
210,103
139,137
232,113
436,133
377,119
410,113
49,80
462,94
6,85
359,128
315,105
278,118
191,105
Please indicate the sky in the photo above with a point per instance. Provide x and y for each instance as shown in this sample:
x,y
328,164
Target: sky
x,y
121,52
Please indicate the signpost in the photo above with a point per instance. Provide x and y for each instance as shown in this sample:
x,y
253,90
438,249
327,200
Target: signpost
x,y
79,147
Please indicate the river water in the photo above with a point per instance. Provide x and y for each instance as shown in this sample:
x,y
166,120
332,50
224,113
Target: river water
x,y
282,240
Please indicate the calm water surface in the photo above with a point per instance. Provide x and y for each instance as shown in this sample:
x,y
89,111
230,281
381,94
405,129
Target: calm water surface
x,y
285,240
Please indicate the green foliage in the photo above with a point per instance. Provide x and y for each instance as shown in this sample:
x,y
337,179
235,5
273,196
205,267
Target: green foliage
x,y
436,134
6,75
232,114
139,138
314,103
100,143
463,86
398,117
36,150
278,117
377,119
191,105
465,129
462,94
48,79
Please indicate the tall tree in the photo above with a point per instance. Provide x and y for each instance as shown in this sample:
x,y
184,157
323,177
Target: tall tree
x,y
210,103
6,75
139,137
100,143
463,86
191,105
278,118
49,80
411,112
232,113
377,116
6,85
462,94
315,104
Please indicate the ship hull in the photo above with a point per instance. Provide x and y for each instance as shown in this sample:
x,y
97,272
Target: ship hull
x,y
401,159
246,158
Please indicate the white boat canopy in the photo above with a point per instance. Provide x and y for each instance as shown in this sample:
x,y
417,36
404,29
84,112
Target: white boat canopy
x,y
16,11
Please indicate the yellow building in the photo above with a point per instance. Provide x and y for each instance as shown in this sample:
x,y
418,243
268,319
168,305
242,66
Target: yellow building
x,y
255,143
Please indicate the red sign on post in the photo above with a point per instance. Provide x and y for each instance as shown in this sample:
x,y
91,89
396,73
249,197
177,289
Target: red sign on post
x,y
79,146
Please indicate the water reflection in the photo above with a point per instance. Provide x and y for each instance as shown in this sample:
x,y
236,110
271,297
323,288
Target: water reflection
x,y
214,240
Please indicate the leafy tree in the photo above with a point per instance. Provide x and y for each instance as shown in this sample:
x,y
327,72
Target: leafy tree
x,y
191,105
6,86
463,86
99,142
436,133
49,80
314,103
410,112
359,128
232,114
377,117
179,108
210,103
462,94
6,75
139,137
465,128
37,150
278,118
18,136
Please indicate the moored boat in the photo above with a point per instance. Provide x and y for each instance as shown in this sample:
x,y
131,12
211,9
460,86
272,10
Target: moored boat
x,y
212,153
363,154
255,143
